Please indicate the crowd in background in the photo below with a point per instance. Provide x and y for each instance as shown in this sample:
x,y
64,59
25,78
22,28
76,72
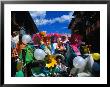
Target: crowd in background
x,y
52,55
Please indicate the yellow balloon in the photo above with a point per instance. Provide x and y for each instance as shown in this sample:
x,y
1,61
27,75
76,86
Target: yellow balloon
x,y
96,56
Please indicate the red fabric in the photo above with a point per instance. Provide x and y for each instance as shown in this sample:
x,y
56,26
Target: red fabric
x,y
75,48
75,38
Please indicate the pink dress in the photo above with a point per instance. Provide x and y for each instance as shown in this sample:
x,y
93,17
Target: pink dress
x,y
75,48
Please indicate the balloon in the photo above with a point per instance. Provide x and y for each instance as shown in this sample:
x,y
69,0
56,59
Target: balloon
x,y
39,54
90,61
26,39
96,56
79,62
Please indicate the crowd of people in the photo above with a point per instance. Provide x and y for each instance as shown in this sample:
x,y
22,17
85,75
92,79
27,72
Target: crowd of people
x,y
52,55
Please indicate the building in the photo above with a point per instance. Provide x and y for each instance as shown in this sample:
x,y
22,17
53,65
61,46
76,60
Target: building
x,y
22,23
23,20
87,23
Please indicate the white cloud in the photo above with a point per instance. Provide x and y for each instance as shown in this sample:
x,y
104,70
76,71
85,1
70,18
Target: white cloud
x,y
71,13
39,18
43,21
39,14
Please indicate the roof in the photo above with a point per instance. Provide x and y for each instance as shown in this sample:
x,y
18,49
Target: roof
x,y
23,18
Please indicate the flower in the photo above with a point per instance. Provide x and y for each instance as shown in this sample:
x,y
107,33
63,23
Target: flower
x,y
36,38
52,63
43,33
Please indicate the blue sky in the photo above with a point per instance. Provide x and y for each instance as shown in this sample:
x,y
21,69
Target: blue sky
x,y
52,21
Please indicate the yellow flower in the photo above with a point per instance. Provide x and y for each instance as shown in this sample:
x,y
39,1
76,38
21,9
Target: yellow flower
x,y
48,65
43,33
52,64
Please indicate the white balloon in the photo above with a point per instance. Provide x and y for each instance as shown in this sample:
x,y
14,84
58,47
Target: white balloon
x,y
39,54
79,62
26,39
90,61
